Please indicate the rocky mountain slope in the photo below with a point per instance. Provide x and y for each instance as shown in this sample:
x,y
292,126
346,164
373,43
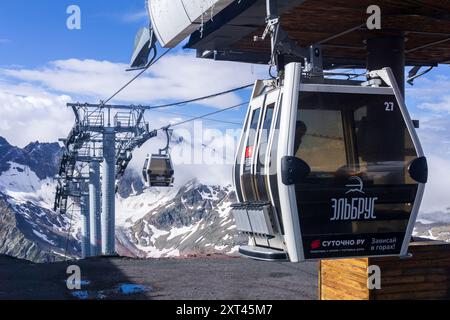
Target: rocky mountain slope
x,y
31,232
41,158
190,219
29,229
194,220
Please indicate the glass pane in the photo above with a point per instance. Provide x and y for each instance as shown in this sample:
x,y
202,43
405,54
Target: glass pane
x,y
272,182
247,181
320,131
260,166
341,134
237,168
159,165
251,140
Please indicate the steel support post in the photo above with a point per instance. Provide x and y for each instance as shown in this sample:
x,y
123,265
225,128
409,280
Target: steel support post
x,y
108,192
388,52
95,208
85,227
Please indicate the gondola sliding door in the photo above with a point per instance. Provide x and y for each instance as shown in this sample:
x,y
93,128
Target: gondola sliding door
x,y
261,168
250,143
240,157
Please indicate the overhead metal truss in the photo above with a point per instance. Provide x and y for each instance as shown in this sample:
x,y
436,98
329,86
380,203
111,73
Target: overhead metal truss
x,y
84,143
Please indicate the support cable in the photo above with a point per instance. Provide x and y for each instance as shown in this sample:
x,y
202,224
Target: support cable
x,y
208,119
202,98
206,115
103,103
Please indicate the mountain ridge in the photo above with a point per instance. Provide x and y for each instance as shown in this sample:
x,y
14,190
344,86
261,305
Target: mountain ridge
x,y
33,231
190,219
41,158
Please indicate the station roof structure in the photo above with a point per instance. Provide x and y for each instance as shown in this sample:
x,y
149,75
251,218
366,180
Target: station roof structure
x,y
339,26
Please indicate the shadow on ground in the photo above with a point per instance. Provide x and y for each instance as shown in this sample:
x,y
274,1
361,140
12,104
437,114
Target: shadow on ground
x,y
160,279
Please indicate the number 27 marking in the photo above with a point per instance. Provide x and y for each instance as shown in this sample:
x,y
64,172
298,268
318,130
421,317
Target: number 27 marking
x,y
389,106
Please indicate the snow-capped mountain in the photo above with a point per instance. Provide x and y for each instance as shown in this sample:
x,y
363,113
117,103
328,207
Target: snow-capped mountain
x,y
190,219
29,229
195,219
40,158
434,225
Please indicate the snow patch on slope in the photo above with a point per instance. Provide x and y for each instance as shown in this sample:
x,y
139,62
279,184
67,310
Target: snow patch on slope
x,y
135,207
22,184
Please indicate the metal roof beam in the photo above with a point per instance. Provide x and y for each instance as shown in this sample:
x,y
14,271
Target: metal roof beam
x,y
428,45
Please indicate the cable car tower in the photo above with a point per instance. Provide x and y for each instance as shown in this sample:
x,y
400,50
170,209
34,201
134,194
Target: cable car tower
x,y
103,137
329,164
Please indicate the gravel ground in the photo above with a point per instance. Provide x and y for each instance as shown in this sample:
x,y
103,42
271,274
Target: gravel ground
x,y
206,278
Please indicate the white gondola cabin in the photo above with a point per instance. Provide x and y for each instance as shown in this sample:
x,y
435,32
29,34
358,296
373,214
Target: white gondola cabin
x,y
328,169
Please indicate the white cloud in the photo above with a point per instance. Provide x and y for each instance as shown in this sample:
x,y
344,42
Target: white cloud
x,y
435,137
443,105
431,98
32,103
429,88
176,77
32,100
210,165
135,16
436,197
432,94
28,114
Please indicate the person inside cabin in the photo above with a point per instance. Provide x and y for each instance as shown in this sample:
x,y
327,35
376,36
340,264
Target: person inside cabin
x,y
300,132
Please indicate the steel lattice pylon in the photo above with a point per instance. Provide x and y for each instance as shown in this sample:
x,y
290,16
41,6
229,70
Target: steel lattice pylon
x,y
103,136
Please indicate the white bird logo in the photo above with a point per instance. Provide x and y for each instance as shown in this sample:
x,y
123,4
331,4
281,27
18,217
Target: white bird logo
x,y
357,185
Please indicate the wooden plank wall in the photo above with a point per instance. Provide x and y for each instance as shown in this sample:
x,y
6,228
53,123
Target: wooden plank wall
x,y
426,275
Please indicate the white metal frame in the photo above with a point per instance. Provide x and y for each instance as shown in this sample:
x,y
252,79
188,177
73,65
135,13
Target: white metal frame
x,y
267,170
291,223
240,155
270,97
418,146
174,20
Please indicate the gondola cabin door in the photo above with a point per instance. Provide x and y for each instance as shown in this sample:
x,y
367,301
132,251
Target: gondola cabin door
x,y
331,170
254,171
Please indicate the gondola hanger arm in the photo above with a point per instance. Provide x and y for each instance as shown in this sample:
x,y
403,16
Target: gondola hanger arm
x,y
381,74
283,46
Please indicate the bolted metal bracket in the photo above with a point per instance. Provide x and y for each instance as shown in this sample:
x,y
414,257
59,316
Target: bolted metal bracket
x,y
283,46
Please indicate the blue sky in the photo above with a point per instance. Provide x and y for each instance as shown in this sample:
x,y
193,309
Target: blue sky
x,y
37,31
34,33
43,65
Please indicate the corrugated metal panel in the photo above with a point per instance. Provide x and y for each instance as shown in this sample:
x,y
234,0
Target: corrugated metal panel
x,y
174,20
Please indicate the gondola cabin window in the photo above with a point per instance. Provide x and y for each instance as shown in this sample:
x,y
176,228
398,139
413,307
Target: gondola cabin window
x,y
160,165
319,140
261,181
342,135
